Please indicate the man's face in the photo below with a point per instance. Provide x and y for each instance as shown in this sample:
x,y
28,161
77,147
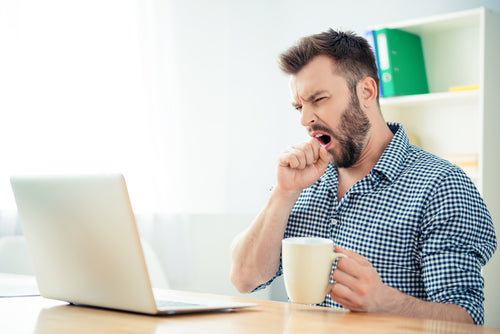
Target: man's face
x,y
329,111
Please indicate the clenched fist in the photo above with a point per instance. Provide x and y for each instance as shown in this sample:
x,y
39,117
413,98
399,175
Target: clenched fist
x,y
300,166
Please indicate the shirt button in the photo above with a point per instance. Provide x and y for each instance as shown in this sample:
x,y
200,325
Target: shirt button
x,y
334,221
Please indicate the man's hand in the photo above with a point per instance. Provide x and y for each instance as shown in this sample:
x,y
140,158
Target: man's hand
x,y
358,285
300,166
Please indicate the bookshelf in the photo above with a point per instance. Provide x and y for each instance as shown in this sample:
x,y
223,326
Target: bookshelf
x,y
460,48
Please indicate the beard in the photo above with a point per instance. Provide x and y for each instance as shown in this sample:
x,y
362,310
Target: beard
x,y
351,135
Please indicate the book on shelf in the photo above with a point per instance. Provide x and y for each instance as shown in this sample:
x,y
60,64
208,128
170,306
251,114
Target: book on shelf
x,y
401,63
463,88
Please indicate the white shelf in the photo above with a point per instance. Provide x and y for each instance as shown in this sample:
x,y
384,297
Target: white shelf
x,y
421,100
439,23
459,49
446,122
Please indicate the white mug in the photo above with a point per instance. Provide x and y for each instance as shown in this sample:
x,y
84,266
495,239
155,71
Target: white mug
x,y
307,265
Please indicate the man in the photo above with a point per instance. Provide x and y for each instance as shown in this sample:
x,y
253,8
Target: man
x,y
414,227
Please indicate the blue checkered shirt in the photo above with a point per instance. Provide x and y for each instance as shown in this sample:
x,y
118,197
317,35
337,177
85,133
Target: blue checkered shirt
x,y
417,218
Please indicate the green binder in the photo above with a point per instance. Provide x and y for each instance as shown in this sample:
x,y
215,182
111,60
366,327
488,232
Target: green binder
x,y
401,62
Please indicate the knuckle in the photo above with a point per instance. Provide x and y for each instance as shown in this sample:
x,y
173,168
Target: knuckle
x,y
363,290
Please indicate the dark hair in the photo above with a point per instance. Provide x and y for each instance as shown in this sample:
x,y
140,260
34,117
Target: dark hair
x,y
353,56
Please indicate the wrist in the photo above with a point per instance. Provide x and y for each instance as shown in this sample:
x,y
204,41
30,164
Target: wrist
x,y
286,194
392,301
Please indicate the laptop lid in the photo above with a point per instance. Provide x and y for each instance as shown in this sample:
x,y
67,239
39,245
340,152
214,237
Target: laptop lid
x,y
84,242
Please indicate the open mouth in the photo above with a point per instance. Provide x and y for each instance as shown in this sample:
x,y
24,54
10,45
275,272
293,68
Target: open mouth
x,y
323,139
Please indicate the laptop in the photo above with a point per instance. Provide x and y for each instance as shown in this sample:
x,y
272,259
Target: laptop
x,y
85,246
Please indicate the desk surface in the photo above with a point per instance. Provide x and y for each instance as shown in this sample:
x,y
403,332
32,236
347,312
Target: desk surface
x,y
40,315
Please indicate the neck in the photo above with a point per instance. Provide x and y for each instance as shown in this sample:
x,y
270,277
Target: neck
x,y
377,140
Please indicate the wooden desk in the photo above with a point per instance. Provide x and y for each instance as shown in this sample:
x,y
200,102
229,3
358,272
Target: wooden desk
x,y
41,316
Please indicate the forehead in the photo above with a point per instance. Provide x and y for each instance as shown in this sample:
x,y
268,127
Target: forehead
x,y
318,75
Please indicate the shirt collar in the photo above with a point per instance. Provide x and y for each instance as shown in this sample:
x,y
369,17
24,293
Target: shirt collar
x,y
330,177
390,163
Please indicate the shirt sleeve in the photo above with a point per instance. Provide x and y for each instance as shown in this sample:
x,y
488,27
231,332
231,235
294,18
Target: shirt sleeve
x,y
457,239
265,285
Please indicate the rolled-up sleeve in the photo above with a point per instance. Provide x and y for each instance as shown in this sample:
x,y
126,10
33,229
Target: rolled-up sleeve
x,y
457,239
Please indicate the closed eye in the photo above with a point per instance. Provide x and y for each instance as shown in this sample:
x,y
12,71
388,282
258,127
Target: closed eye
x,y
296,106
319,99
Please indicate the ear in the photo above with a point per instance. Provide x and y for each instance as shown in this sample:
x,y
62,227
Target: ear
x,y
367,92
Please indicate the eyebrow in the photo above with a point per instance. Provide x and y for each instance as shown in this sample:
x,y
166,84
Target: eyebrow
x,y
311,97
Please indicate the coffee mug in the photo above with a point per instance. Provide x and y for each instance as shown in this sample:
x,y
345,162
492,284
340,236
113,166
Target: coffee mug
x,y
307,265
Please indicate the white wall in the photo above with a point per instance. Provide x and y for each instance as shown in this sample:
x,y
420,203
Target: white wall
x,y
235,101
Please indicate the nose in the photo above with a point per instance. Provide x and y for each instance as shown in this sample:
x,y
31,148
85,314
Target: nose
x,y
307,116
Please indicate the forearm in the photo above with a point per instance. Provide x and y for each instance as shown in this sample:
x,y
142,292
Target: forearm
x,y
399,303
255,253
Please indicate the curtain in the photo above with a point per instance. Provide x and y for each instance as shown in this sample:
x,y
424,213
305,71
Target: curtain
x,y
86,88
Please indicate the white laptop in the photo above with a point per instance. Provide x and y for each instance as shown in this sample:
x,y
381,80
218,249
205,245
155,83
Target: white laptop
x,y
85,246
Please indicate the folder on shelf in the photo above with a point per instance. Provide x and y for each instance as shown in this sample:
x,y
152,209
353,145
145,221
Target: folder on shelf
x,y
371,39
401,63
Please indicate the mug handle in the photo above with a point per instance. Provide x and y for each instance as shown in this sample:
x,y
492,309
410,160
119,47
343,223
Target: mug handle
x,y
334,257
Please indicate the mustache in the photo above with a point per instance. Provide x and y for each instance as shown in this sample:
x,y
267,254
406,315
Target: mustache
x,y
321,128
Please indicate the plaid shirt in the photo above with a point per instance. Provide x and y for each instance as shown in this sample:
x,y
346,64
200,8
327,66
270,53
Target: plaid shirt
x,y
418,219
